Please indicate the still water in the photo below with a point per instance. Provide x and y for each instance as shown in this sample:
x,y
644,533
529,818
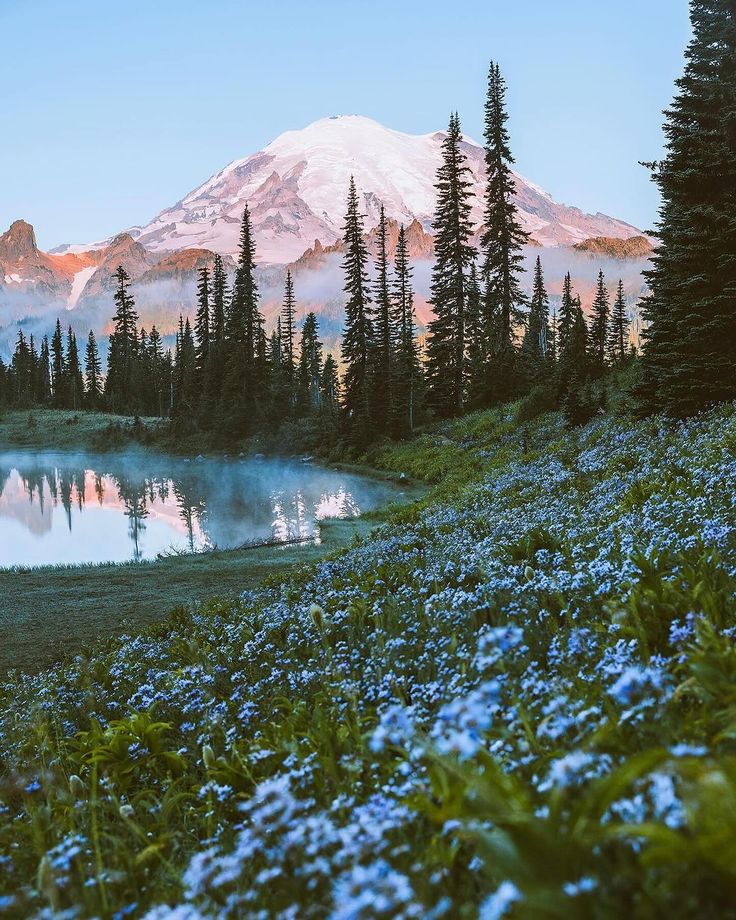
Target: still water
x,y
86,508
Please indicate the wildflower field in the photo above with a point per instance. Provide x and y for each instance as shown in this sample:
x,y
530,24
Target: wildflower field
x,y
516,698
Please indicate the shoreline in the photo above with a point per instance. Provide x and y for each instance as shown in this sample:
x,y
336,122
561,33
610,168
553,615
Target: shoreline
x,y
51,612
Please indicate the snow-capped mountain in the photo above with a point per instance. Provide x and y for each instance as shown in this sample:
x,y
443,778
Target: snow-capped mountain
x,y
296,189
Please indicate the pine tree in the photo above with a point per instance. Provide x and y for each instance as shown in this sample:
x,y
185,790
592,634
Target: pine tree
x,y
330,387
502,242
281,384
43,395
309,374
535,345
58,368
185,370
599,327
357,340
160,373
576,355
202,327
382,357
219,297
566,315
211,411
446,351
407,370
21,372
288,319
121,381
33,369
553,351
689,358
618,338
74,377
93,373
245,387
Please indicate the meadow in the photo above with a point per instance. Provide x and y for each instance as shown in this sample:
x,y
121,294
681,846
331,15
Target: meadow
x,y
516,695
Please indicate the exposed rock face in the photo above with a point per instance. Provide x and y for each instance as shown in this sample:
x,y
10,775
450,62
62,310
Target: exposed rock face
x,y
419,243
30,277
182,266
24,268
636,247
19,242
123,250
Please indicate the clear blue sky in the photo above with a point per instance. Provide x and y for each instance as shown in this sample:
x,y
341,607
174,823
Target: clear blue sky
x,y
112,111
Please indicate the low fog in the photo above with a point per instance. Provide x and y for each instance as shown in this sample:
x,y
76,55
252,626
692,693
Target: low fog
x,y
111,507
320,289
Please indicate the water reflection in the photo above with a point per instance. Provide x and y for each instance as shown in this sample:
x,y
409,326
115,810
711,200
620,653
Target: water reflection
x,y
94,508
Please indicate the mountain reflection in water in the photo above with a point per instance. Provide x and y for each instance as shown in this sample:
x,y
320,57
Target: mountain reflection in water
x,y
86,508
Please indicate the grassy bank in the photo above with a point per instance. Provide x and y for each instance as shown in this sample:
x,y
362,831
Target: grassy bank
x,y
517,695
51,612
60,429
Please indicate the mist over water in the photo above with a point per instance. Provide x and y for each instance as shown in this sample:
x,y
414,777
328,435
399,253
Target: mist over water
x,y
87,508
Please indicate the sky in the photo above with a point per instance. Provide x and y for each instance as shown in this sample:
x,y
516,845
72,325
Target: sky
x,y
110,112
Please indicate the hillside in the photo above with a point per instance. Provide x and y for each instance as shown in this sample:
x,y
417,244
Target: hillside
x,y
516,692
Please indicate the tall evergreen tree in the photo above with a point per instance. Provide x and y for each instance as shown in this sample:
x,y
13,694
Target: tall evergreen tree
x,y
618,338
382,359
310,366
288,320
185,373
330,386
93,373
566,315
689,356
21,372
75,379
535,345
58,368
44,373
159,363
576,348
202,326
501,243
121,381
219,297
407,370
599,327
446,351
553,351
245,386
357,340
281,384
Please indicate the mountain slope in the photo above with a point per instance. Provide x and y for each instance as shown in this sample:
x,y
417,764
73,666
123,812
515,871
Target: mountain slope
x,y
296,189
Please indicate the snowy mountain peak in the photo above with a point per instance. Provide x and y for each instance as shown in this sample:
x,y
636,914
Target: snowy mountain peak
x,y
296,188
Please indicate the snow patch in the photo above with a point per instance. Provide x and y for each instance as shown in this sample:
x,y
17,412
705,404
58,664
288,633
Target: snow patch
x,y
78,284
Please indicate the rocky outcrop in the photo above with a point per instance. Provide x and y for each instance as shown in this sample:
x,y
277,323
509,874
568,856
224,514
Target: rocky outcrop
x,y
635,247
420,245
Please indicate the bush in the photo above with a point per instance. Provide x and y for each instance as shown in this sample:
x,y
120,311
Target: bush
x,y
540,400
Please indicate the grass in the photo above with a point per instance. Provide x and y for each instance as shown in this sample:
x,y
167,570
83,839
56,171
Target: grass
x,y
56,611
60,429
515,698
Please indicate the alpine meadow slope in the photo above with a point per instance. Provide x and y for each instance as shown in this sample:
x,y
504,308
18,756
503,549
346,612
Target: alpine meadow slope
x,y
519,691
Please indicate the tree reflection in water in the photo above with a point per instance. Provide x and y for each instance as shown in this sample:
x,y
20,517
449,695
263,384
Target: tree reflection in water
x,y
165,504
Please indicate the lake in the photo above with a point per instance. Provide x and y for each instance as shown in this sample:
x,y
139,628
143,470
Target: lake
x,y
86,508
